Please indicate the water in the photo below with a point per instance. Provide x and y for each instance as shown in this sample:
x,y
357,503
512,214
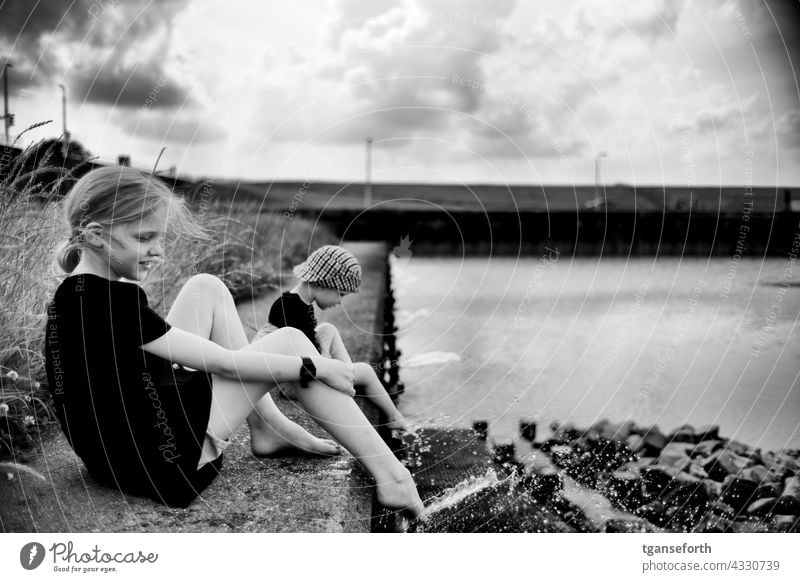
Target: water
x,y
663,342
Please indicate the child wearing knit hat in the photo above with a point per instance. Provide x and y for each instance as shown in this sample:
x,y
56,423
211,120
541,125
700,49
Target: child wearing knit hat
x,y
328,275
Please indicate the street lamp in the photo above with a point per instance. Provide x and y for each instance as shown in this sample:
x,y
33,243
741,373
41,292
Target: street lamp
x,y
597,197
8,118
64,117
368,177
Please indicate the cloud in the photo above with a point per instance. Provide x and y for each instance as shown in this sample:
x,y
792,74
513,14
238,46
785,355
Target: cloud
x,y
166,127
724,112
106,51
398,71
788,129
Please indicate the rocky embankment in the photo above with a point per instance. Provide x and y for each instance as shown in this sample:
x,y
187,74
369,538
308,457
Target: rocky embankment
x,y
691,479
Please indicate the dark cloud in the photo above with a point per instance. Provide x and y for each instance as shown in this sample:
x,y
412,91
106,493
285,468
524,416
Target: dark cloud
x,y
24,31
106,51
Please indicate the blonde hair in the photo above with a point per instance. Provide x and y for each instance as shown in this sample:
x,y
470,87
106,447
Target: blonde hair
x,y
116,195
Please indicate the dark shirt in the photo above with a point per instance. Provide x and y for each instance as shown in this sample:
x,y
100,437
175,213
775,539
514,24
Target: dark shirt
x,y
136,422
289,310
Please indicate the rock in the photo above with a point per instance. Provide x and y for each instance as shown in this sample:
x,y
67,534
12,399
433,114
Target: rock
x,y
792,487
687,505
707,433
705,448
713,488
655,512
738,448
767,490
504,453
675,454
481,429
621,431
629,525
623,488
565,433
561,435
638,464
782,466
714,523
697,471
738,493
755,458
683,434
787,506
785,524
756,473
723,463
762,507
527,430
545,485
753,525
635,442
653,441
561,454
656,480
720,508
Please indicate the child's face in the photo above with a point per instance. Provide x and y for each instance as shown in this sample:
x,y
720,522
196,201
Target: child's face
x,y
134,248
327,298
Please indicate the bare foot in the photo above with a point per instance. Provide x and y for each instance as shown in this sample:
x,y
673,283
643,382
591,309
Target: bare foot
x,y
397,424
401,494
268,443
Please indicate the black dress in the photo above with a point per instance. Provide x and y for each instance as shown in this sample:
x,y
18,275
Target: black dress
x,y
137,422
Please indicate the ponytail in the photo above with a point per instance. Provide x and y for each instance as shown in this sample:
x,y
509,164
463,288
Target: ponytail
x,y
68,255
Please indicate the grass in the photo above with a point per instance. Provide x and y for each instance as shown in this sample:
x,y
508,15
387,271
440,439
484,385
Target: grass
x,y
247,250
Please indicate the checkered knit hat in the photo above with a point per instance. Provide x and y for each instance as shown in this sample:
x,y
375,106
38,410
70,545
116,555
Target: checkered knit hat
x,y
331,267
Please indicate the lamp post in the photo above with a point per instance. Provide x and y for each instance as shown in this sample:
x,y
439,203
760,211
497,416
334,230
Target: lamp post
x,y
597,158
65,147
368,177
8,118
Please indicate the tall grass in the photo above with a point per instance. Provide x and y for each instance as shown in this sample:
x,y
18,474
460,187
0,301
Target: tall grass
x,y
247,250
29,232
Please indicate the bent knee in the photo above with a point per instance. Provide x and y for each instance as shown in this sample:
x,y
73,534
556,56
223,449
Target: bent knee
x,y
294,336
207,283
326,329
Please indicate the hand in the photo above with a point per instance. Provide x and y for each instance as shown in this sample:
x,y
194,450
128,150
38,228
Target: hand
x,y
335,374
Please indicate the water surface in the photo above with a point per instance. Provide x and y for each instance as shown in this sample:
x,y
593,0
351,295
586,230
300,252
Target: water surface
x,y
663,342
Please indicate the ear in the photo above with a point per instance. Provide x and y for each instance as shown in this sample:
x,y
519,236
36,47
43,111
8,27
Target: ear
x,y
94,235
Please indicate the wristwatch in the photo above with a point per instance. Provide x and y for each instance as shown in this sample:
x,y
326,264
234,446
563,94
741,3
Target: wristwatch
x,y
308,372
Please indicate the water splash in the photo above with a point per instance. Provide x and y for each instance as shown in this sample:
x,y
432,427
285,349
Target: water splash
x,y
459,492
430,358
404,319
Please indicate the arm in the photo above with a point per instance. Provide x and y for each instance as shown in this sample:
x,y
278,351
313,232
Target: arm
x,y
196,352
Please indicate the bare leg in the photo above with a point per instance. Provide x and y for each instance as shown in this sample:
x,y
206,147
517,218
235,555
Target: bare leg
x,y
332,346
334,411
205,307
373,389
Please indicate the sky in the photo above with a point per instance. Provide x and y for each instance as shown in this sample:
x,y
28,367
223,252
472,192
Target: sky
x,y
678,92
